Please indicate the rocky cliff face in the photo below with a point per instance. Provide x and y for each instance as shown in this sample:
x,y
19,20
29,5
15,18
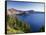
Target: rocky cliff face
x,y
11,11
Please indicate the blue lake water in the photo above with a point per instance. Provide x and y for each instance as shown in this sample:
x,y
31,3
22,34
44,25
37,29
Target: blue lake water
x,y
36,20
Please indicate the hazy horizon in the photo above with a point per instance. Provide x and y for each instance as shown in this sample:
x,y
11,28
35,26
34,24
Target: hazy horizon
x,y
24,6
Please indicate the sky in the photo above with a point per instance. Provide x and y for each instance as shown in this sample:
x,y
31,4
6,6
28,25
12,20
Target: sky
x,y
26,6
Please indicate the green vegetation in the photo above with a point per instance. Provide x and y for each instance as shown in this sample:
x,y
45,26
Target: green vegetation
x,y
14,25
42,29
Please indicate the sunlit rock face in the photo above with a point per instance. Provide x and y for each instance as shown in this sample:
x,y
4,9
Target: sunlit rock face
x,y
11,11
